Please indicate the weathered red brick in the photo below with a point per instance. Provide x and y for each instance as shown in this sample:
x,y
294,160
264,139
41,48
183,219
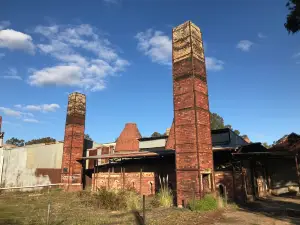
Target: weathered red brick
x,y
191,117
71,173
170,144
183,101
128,139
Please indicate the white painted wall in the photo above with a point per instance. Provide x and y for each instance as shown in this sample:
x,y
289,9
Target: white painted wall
x,y
156,143
18,165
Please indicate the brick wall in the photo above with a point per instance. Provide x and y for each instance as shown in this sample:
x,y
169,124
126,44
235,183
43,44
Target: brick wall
x,y
143,183
71,174
170,144
194,159
128,139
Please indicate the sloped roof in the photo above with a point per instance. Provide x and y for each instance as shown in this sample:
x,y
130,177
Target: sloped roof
x,y
289,142
128,139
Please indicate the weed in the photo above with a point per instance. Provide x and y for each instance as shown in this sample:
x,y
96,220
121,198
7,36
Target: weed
x,y
208,203
117,199
164,197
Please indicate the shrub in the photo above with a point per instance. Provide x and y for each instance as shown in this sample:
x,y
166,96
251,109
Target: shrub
x,y
207,203
117,199
164,196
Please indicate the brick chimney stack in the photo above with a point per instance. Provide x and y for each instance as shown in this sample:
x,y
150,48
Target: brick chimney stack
x,y
193,144
71,175
128,139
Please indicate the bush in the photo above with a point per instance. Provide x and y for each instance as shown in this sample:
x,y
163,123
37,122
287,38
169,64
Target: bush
x,y
207,203
117,199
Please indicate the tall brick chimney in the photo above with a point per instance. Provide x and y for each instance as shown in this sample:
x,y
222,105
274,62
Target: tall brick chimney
x,y
71,175
193,144
1,133
128,139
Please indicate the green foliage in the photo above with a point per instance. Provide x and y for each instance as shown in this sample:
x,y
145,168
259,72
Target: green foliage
x,y
237,132
208,203
216,121
87,137
40,141
156,134
164,197
292,24
15,141
265,144
117,199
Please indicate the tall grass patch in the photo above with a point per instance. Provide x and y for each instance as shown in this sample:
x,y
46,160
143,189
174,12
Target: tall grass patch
x,y
164,197
207,203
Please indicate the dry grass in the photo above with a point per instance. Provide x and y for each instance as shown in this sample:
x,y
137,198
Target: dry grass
x,y
81,208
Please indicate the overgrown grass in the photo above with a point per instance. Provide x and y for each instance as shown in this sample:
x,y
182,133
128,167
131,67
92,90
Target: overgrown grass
x,y
117,199
207,203
164,197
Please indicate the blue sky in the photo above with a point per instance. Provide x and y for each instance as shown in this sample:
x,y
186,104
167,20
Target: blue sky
x,y
118,53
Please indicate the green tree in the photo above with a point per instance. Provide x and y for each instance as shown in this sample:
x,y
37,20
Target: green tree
x,y
265,144
216,121
292,23
40,141
156,134
15,141
87,137
237,132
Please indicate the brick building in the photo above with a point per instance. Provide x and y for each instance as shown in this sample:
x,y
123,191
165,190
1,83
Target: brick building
x,y
195,159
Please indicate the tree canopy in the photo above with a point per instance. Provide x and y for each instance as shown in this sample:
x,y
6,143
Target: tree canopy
x,y
87,137
292,23
217,122
15,141
156,134
41,140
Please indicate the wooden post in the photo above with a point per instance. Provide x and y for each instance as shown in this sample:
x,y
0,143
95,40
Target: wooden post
x,y
144,210
48,213
124,179
94,181
108,182
297,168
141,174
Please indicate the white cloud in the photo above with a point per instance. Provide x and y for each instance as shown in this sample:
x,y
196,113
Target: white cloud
x,y
18,106
4,24
244,45
67,45
42,108
14,113
31,120
15,40
10,112
12,74
156,45
297,55
261,35
214,64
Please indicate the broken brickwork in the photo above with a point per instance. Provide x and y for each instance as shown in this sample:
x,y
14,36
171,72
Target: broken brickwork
x,y
193,144
128,139
71,174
